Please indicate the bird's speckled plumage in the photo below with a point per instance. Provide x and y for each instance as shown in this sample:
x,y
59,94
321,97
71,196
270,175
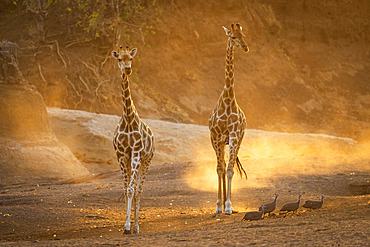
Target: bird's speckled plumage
x,y
254,215
269,207
293,206
314,204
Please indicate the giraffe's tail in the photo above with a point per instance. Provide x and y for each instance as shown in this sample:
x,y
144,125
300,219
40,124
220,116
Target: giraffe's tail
x,y
240,168
122,198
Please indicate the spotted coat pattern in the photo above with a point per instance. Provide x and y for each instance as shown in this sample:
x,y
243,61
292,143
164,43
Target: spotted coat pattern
x,y
133,142
227,122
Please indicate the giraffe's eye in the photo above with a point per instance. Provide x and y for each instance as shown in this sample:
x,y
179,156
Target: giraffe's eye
x,y
130,59
233,37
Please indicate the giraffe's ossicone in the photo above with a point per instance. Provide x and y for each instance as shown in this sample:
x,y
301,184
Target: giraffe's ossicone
x,y
227,123
133,142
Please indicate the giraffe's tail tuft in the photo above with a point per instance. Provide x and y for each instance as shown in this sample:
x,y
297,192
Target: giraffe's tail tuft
x,y
240,168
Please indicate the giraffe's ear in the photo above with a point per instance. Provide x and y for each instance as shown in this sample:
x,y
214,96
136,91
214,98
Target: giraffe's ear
x,y
115,54
226,31
133,52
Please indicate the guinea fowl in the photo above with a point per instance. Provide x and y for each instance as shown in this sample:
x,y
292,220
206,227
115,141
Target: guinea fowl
x,y
254,215
269,207
314,204
293,206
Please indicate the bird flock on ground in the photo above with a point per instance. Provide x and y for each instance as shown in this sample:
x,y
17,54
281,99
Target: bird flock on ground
x,y
268,208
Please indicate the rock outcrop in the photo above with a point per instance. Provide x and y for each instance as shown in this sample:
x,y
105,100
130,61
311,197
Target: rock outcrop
x,y
29,150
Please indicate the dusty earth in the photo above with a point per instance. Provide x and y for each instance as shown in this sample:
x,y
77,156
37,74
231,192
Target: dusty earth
x,y
180,191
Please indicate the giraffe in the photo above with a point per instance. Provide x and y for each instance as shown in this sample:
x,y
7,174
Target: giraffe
x,y
227,123
133,142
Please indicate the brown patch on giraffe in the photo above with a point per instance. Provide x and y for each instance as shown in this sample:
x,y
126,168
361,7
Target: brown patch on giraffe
x,y
122,128
127,94
228,110
227,101
120,145
134,124
222,124
221,109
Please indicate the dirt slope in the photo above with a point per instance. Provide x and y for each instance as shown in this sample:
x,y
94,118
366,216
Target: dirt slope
x,y
29,150
307,70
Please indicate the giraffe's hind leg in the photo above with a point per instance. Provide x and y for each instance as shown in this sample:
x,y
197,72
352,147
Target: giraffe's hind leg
x,y
219,148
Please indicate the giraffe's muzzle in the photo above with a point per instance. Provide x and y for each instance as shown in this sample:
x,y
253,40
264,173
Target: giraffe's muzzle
x,y
127,71
245,48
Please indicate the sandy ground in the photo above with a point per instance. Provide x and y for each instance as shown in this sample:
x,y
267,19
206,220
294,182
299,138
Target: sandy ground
x,y
179,197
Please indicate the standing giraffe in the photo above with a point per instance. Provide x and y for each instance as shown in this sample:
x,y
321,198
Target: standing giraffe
x,y
133,142
227,123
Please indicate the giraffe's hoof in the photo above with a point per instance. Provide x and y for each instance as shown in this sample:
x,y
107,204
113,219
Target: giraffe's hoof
x,y
126,232
228,211
219,210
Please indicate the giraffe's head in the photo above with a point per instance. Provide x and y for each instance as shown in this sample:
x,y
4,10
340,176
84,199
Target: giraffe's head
x,y
236,36
124,57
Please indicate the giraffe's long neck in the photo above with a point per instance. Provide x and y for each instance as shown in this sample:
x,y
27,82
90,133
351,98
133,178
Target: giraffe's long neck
x,y
229,71
128,105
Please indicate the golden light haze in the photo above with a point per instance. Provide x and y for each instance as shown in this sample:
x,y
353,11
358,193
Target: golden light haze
x,y
266,155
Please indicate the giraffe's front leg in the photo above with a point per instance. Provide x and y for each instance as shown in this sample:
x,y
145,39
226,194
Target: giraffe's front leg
x,y
124,161
136,216
228,207
129,198
138,194
233,153
135,163
219,194
220,149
